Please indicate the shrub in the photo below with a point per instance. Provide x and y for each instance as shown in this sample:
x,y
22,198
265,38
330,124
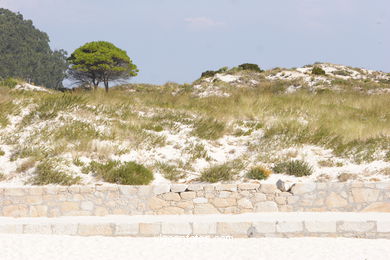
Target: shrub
x,y
297,168
127,173
211,73
169,171
9,82
317,71
1,152
250,66
224,172
53,104
2,176
258,173
77,130
48,173
209,128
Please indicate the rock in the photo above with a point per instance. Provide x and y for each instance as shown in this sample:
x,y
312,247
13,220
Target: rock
x,y
162,188
205,209
234,228
176,228
378,207
188,195
245,203
266,206
195,187
15,211
224,202
178,187
248,186
335,201
126,229
171,211
200,200
150,229
171,196
95,229
358,226
300,188
289,226
156,203
364,195
268,188
227,187
202,228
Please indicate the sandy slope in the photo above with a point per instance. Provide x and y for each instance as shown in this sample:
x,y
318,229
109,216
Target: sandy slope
x,y
31,247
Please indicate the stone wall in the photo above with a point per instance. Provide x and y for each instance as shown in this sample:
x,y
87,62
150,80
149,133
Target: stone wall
x,y
54,201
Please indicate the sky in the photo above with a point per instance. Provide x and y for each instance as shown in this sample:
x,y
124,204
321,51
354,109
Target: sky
x,y
176,40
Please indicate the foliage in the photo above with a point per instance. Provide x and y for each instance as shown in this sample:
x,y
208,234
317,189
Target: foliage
x,y
127,173
297,168
224,172
258,173
211,73
1,152
169,171
317,71
47,172
25,52
100,61
209,128
250,66
9,82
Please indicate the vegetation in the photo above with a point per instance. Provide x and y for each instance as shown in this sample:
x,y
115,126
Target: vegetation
x,y
297,168
96,62
250,66
317,71
127,173
258,173
47,172
224,172
1,152
25,53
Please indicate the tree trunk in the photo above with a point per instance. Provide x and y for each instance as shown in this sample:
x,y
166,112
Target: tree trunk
x,y
106,86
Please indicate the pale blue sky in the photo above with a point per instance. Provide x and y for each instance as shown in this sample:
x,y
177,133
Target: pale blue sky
x,y
176,40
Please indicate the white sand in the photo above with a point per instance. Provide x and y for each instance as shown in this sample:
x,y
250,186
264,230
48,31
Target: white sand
x,y
40,247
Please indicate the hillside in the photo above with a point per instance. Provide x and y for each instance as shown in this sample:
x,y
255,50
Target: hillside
x,y
218,128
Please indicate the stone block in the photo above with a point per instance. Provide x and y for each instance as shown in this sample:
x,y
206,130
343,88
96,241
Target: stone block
x,y
38,211
205,209
289,226
264,227
11,228
268,188
156,203
35,191
321,226
224,202
14,192
173,196
188,195
227,187
260,197
300,188
37,229
266,206
185,204
178,187
195,187
335,201
87,205
364,195
15,211
162,188
95,229
127,190
64,229
150,229
356,226
248,186
69,206
383,226
126,229
101,211
233,228
170,211
204,228
245,203
378,207
177,228
200,200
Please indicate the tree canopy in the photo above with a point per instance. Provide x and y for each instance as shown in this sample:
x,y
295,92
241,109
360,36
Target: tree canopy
x,y
25,52
100,62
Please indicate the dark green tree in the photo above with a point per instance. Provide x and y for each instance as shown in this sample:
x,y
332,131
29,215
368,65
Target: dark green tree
x,y
100,62
25,52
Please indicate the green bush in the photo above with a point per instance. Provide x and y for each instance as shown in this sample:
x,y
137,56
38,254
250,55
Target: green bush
x,y
209,128
9,82
250,66
297,168
1,152
127,173
77,130
258,173
47,172
52,104
224,172
317,71
169,171
211,73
